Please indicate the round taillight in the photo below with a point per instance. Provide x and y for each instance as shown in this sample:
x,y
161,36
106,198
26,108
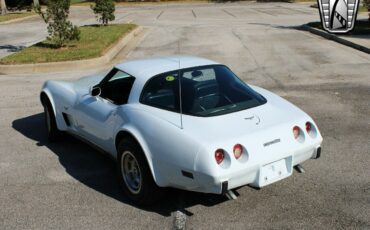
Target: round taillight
x,y
308,127
296,132
238,150
219,156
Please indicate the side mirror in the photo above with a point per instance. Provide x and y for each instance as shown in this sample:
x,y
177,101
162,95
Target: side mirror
x,y
95,91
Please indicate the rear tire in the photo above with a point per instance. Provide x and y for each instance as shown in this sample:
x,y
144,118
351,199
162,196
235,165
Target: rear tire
x,y
52,130
135,175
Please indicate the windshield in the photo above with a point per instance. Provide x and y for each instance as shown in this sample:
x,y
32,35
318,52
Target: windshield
x,y
205,91
215,90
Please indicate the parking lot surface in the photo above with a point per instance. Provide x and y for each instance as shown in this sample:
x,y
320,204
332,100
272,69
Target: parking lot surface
x,y
69,185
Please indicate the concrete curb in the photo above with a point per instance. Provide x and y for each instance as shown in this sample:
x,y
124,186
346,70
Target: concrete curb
x,y
336,38
18,19
72,65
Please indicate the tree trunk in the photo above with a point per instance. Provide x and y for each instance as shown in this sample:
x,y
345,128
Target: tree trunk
x,y
36,2
4,10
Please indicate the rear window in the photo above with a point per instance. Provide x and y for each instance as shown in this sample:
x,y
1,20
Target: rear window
x,y
206,91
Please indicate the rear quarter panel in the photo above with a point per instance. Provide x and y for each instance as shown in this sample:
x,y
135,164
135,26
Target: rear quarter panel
x,y
168,148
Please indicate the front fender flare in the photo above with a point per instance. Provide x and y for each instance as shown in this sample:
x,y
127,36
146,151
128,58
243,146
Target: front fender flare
x,y
59,119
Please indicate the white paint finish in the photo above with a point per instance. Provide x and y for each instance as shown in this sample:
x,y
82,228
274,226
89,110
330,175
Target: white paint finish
x,y
170,149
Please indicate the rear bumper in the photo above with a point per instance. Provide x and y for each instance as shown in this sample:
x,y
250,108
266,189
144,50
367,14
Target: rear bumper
x,y
251,175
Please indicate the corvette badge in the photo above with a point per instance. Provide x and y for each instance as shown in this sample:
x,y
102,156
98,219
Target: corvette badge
x,y
338,16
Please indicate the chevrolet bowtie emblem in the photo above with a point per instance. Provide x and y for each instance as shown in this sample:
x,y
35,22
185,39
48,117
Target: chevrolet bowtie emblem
x,y
338,16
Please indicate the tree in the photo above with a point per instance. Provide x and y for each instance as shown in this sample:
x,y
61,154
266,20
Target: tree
x,y
20,4
60,29
36,2
367,5
4,10
104,11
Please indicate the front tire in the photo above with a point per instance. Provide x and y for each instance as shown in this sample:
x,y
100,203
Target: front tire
x,y
53,132
134,174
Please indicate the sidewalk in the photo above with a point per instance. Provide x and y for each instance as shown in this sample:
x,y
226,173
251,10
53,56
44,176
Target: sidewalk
x,y
363,40
358,39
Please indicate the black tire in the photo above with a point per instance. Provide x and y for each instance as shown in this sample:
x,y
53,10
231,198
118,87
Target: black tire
x,y
148,192
52,130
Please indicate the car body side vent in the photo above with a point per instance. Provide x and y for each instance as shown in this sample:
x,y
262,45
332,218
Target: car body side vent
x,y
66,119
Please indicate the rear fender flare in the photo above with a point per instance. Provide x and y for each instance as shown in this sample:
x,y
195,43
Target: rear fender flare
x,y
136,135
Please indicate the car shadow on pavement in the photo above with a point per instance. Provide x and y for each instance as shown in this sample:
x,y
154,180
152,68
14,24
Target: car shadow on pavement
x,y
294,27
11,48
98,171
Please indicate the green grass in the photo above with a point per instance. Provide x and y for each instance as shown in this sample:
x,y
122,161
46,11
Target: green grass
x,y
94,42
361,27
15,15
362,8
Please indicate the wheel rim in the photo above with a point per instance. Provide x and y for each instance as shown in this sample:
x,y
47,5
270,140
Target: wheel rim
x,y
48,121
131,172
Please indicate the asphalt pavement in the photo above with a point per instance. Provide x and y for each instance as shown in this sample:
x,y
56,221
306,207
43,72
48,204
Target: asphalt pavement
x,y
69,185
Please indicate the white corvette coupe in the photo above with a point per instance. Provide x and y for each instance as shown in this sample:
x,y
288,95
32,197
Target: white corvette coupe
x,y
183,122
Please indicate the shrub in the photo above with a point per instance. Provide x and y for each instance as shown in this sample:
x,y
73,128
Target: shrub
x,y
18,4
60,29
366,3
104,11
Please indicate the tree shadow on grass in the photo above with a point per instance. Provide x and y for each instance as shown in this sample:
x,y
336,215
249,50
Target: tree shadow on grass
x,y
93,25
48,45
98,171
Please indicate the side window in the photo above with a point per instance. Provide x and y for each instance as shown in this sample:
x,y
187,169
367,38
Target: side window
x,y
117,87
162,92
119,75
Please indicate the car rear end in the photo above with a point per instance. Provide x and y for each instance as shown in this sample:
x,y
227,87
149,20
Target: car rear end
x,y
257,159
